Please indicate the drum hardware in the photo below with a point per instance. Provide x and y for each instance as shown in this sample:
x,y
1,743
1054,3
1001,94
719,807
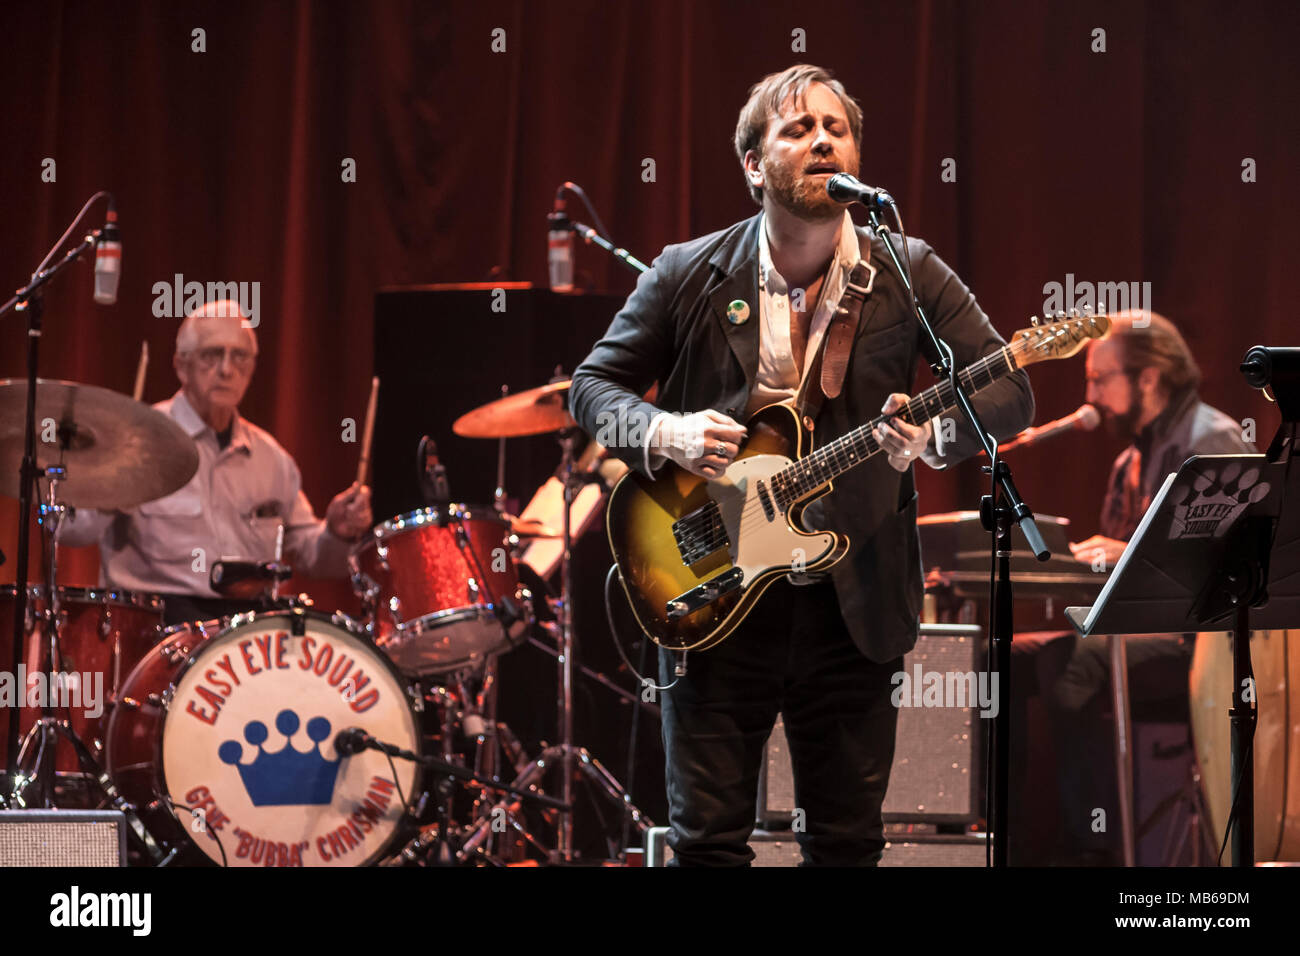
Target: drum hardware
x,y
534,412
447,773
84,467
631,697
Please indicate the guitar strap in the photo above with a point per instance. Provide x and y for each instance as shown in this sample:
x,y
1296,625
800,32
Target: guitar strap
x,y
825,378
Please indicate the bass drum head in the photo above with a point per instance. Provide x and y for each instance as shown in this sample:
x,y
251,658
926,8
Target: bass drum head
x,y
248,737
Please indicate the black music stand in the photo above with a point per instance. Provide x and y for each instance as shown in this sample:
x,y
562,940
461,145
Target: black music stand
x,y
1214,552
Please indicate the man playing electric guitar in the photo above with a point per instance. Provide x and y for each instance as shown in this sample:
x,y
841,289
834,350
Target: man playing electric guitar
x,y
728,324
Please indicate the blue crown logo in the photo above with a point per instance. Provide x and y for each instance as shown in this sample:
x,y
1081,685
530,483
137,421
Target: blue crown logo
x,y
286,777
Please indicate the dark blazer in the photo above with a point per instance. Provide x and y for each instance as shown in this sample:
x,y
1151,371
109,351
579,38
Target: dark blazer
x,y
674,330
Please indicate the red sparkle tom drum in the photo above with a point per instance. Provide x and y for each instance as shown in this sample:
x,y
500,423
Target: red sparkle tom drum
x,y
440,588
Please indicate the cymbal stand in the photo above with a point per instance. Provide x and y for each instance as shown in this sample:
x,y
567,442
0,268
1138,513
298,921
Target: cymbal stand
x,y
28,300
499,495
569,758
44,733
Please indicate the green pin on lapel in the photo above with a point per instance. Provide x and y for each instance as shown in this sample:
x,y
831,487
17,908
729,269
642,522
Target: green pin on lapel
x,y
738,312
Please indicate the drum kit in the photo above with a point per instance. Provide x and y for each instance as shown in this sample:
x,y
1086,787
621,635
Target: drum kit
x,y
284,735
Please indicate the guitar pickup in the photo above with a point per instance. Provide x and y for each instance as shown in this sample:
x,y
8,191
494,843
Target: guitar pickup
x,y
703,595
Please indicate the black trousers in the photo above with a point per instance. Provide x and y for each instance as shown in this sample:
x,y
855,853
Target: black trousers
x,y
793,656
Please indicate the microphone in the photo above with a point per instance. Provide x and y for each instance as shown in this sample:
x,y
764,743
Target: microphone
x,y
432,475
351,741
845,188
559,246
108,260
1085,418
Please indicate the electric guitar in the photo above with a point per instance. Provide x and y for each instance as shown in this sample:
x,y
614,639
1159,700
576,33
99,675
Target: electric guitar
x,y
694,555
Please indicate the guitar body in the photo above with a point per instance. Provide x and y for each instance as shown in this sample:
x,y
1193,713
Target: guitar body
x,y
653,570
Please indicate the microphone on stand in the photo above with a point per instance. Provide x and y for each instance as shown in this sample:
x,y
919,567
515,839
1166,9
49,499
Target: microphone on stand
x,y
559,246
1085,418
351,741
108,259
845,188
432,475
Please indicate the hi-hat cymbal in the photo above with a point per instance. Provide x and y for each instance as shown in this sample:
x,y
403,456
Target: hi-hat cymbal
x,y
534,412
118,452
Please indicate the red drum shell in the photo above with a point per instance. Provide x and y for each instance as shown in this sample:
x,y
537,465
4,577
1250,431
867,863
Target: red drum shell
x,y
432,599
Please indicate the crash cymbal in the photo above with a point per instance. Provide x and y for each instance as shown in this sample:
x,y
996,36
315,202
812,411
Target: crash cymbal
x,y
534,412
119,452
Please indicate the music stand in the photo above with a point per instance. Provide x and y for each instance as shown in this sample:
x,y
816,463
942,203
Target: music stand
x,y
1214,552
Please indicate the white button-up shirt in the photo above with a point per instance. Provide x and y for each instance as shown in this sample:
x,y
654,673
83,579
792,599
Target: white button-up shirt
x,y
777,378
232,508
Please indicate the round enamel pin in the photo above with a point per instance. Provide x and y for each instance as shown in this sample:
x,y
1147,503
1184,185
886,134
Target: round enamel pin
x,y
738,312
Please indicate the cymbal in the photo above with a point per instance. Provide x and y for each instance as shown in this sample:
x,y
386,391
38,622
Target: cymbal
x,y
119,452
534,412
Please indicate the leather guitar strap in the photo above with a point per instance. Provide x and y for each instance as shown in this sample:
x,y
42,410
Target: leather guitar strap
x,y
825,379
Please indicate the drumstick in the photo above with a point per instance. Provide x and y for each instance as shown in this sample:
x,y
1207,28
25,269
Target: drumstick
x,y
368,434
138,394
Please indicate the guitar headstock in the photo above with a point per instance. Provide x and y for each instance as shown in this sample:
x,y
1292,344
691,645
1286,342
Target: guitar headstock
x,y
1057,337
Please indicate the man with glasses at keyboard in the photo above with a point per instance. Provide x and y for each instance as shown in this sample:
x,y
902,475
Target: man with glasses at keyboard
x,y
245,502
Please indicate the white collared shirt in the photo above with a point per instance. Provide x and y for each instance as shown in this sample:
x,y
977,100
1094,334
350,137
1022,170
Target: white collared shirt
x,y
777,379
232,508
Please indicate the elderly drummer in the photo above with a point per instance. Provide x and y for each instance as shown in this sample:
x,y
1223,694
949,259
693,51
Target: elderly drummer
x,y
246,493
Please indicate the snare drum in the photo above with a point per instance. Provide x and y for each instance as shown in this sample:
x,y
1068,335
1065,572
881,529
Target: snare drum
x,y
102,634
224,737
441,591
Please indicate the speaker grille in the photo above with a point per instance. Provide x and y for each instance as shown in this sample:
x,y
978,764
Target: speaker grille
x,y
935,777
62,838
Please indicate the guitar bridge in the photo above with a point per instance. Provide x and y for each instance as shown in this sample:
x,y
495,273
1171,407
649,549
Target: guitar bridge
x,y
700,533
705,594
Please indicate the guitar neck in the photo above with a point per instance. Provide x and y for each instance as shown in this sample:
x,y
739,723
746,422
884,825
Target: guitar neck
x,y
814,471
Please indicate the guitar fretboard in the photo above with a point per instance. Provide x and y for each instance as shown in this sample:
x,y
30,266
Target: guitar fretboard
x,y
830,461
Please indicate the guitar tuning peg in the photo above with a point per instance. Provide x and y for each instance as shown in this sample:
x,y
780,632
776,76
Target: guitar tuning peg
x,y
1033,320
1060,314
1074,313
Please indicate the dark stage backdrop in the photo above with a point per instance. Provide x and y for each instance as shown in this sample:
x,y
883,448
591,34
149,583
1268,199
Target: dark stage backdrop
x,y
1123,165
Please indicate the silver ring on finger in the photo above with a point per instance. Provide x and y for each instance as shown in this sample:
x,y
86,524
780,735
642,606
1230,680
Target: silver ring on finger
x,y
907,453
720,450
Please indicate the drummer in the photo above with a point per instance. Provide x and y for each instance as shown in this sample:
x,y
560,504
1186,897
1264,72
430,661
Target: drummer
x,y
246,488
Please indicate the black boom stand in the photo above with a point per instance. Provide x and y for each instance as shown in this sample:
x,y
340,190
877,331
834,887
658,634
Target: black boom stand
x,y
999,510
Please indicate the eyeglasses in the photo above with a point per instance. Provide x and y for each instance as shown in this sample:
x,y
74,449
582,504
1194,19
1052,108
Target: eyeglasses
x,y
1104,376
211,357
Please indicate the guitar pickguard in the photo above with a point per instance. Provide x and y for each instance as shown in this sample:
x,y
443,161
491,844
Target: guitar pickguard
x,y
760,538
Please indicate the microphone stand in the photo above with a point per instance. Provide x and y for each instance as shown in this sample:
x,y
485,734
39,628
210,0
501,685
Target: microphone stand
x,y
445,769
591,235
28,300
999,509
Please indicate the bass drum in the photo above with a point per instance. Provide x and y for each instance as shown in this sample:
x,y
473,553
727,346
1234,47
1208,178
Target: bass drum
x,y
224,737
1275,657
